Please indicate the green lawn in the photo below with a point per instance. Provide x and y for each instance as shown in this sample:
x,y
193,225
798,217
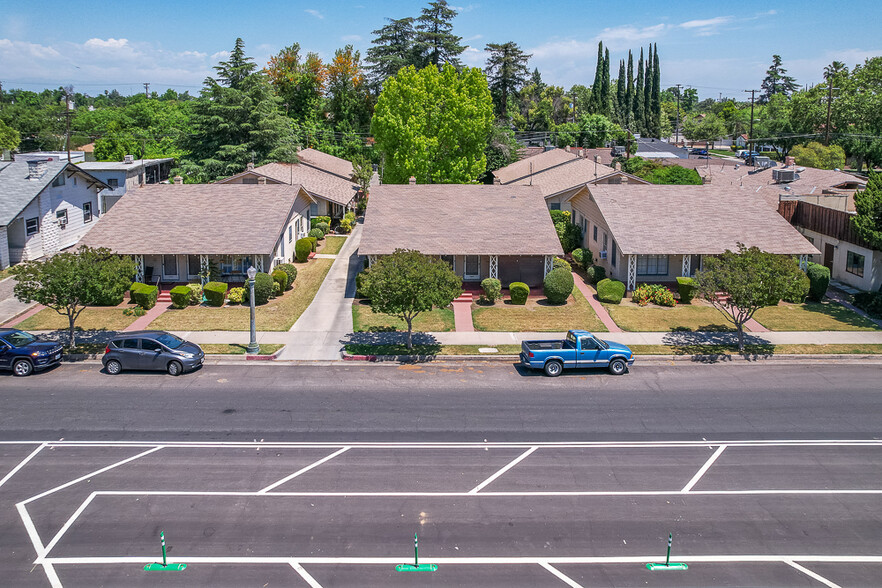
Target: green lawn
x,y
537,315
5,274
812,316
235,349
364,319
332,244
278,314
111,319
686,317
368,349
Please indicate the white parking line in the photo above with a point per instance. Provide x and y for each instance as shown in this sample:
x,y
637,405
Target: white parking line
x,y
21,464
504,469
302,471
811,574
38,545
704,468
69,522
560,575
307,577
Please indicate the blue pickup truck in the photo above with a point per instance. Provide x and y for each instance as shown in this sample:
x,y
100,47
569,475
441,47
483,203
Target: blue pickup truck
x,y
580,349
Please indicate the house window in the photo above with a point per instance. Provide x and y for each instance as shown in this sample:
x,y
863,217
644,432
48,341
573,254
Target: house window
x,y
170,265
194,265
113,183
854,264
291,232
605,242
555,206
87,212
58,181
249,180
32,226
652,265
313,209
595,233
612,260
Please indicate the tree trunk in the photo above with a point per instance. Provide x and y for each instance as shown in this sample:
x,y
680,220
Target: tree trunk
x,y
71,336
409,333
740,327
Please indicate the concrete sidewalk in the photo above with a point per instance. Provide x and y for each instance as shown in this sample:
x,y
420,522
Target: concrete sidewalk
x,y
10,307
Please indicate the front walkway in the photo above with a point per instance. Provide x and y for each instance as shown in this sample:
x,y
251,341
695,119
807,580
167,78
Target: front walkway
x,y
10,307
599,309
318,331
142,322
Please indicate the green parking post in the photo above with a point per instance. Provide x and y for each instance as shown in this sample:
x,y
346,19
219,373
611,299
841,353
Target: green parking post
x,y
416,567
667,565
164,566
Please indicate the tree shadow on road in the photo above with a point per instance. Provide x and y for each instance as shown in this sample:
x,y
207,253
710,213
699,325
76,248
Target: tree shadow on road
x,y
716,347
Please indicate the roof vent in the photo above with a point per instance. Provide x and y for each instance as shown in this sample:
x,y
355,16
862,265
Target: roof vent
x,y
799,170
179,180
129,159
249,166
412,181
36,168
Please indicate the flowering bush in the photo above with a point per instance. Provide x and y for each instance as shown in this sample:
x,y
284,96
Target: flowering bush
x,y
654,293
236,295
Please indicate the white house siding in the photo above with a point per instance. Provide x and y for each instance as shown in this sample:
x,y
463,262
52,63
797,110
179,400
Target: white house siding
x,y
585,207
872,278
4,249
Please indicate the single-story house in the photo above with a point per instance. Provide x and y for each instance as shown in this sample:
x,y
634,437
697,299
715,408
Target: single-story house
x,y
482,231
788,179
327,163
126,175
657,233
332,195
742,140
45,206
174,231
826,223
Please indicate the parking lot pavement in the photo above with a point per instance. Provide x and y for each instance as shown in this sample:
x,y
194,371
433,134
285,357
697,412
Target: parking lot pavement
x,y
743,513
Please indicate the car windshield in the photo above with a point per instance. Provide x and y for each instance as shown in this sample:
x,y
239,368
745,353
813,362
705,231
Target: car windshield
x,y
170,340
20,339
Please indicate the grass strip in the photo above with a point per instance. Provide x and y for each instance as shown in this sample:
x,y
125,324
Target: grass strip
x,y
786,349
332,245
401,349
236,349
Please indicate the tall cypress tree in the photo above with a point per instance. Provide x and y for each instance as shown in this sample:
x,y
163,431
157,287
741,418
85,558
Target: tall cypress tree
x,y
629,99
647,94
596,87
621,95
639,115
604,88
656,94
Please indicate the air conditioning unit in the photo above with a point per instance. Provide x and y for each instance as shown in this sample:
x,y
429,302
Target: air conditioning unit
x,y
784,175
603,255
128,159
62,223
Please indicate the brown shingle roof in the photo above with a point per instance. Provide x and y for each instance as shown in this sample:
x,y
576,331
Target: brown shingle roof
x,y
692,220
811,180
317,183
456,219
196,219
523,168
328,163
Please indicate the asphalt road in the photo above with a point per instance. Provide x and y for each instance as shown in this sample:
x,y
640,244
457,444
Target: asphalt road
x,y
511,479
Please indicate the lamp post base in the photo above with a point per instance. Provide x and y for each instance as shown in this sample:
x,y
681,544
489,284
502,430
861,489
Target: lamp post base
x,y
252,349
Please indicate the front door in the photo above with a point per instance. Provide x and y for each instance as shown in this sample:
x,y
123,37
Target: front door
x,y
828,257
170,267
472,269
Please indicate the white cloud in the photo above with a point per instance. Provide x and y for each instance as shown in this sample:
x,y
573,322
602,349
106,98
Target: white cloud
x,y
220,55
106,44
461,9
314,13
350,38
706,23
623,37
474,57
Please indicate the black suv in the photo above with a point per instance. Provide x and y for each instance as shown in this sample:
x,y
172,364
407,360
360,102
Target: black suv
x,y
151,350
24,353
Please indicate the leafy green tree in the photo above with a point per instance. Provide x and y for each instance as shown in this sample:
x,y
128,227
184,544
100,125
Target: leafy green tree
x,y
433,125
506,73
708,129
857,111
408,283
362,172
751,279
69,281
868,205
9,137
501,150
777,81
435,42
581,97
348,98
299,83
393,47
815,154
597,130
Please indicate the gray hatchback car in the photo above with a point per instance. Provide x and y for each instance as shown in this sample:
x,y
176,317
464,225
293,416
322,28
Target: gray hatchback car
x,y
151,350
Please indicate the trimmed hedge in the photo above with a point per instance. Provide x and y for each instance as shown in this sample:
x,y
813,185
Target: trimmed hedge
x,y
317,234
687,288
558,285
263,288
289,269
492,289
798,291
610,291
362,284
518,292
215,293
281,278
869,302
144,295
325,227
819,281
180,296
558,262
236,295
313,242
302,249
595,274
195,294
314,221
583,257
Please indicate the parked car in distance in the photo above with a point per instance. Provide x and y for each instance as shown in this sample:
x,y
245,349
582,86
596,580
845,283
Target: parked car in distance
x,y
151,350
697,151
745,155
24,353
580,349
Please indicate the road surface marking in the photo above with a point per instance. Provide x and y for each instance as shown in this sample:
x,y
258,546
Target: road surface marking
x,y
307,577
811,574
560,575
704,468
22,463
302,470
504,469
69,522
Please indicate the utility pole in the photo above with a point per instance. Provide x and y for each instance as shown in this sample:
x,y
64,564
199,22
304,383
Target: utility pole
x,y
752,96
146,90
830,89
677,131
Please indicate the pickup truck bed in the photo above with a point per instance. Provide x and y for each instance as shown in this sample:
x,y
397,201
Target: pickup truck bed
x,y
580,349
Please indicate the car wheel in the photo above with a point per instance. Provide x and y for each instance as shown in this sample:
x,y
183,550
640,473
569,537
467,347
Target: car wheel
x,y
113,367
22,367
617,367
175,368
553,368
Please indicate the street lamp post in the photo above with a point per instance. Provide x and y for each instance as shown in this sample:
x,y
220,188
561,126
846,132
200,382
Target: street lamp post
x,y
253,347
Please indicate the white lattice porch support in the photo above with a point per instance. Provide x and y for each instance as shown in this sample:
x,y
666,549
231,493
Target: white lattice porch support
x,y
632,272
139,268
204,269
494,266
549,264
258,262
686,269
372,259
803,262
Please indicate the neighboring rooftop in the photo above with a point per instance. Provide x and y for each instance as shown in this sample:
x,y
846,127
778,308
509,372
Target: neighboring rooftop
x,y
650,148
707,220
810,181
212,219
327,163
316,182
462,220
17,189
532,165
121,165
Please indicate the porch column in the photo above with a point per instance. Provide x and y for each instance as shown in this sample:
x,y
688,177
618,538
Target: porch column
x,y
139,268
632,272
494,266
372,259
204,269
803,262
549,263
686,260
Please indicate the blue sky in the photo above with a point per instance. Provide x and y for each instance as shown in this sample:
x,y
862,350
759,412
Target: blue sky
x,y
718,48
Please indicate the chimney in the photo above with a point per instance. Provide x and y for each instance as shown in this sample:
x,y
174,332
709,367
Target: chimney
x,y
581,153
129,159
179,180
497,182
567,148
789,160
596,159
618,166
249,166
261,180
412,181
36,169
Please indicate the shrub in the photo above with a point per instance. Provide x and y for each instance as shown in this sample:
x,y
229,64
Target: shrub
x,y
869,302
317,234
819,280
215,292
687,288
798,290
610,291
314,221
180,296
362,284
349,216
112,293
595,274
345,226
236,295
518,292
583,257
361,206
195,293
325,227
289,269
263,288
132,288
281,278
558,262
277,289
492,289
144,295
302,249
654,293
558,285
560,216
136,311
570,235
312,242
